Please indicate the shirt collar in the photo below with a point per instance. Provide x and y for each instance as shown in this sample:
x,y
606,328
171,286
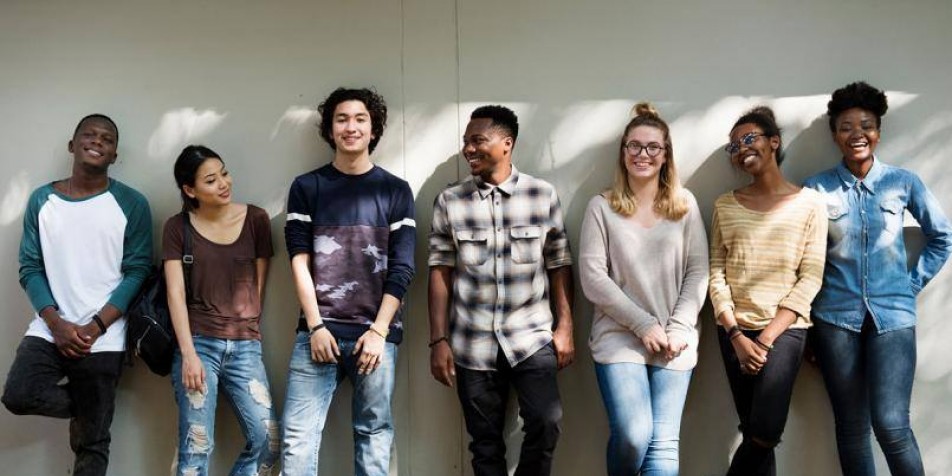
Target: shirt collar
x,y
869,182
507,187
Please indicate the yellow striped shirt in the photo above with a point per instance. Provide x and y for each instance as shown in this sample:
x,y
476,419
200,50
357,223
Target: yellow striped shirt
x,y
762,261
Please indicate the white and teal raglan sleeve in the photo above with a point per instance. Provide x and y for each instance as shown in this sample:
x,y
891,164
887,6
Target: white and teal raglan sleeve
x,y
33,277
136,246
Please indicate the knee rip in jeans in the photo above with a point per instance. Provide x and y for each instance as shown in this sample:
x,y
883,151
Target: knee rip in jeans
x,y
265,470
196,399
190,472
763,443
260,393
274,437
198,439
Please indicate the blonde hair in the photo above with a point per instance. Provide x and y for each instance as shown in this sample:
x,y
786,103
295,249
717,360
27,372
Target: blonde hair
x,y
669,202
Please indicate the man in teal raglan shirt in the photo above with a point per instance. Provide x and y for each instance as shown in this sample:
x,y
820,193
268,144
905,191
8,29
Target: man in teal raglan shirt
x,y
85,251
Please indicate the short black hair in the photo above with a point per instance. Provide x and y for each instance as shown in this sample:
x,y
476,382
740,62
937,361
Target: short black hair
x,y
859,94
764,118
374,103
501,117
100,117
186,166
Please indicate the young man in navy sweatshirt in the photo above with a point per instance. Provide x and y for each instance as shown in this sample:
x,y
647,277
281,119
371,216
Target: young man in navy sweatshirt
x,y
350,234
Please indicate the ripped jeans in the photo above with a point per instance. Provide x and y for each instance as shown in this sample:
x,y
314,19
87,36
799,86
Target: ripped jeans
x,y
236,367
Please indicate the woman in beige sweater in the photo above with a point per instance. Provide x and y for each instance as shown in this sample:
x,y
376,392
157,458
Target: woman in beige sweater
x,y
767,253
643,264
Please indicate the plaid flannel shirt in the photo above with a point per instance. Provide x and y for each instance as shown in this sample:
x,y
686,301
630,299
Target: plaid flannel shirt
x,y
501,240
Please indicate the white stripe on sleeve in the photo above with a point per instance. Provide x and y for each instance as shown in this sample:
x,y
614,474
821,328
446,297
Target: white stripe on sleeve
x,y
405,222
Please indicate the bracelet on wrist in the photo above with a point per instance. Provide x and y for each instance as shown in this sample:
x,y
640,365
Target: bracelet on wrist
x,y
734,332
377,331
100,323
767,347
433,342
316,328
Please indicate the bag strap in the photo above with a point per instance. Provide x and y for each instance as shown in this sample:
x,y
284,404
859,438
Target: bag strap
x,y
187,257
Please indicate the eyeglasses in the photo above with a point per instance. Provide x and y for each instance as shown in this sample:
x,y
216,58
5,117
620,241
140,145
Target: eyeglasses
x,y
651,149
745,140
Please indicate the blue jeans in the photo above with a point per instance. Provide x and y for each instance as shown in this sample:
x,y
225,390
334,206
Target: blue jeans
x,y
869,378
237,368
644,405
311,387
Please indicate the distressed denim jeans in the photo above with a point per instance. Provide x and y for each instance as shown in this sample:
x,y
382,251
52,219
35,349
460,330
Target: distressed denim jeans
x,y
311,387
88,398
644,405
236,368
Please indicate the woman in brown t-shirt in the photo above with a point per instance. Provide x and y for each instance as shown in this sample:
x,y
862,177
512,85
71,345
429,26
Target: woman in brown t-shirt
x,y
217,321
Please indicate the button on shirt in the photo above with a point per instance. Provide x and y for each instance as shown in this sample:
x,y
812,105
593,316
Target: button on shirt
x,y
501,240
866,269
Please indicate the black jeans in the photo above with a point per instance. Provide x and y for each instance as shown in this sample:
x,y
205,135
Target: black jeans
x,y
88,397
484,394
763,400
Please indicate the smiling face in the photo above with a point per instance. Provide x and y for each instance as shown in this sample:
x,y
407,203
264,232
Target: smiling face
x,y
351,128
487,150
856,133
759,154
94,144
212,184
639,165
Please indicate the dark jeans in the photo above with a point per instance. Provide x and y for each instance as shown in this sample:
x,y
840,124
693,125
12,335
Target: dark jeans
x,y
869,378
87,398
763,400
483,395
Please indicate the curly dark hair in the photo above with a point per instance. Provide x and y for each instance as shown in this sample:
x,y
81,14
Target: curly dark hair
x,y
764,118
374,103
859,94
501,117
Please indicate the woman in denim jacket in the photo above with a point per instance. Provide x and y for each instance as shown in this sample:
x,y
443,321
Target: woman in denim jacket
x,y
865,314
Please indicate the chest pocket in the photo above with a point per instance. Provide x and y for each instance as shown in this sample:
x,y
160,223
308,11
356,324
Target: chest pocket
x,y
526,244
892,215
473,245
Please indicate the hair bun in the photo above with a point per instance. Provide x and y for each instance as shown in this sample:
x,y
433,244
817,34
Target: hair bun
x,y
646,109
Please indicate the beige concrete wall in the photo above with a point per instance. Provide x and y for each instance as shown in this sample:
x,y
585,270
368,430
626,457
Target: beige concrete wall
x,y
242,76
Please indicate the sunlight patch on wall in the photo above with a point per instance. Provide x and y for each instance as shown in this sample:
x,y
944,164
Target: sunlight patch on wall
x,y
430,141
181,127
586,124
297,117
14,200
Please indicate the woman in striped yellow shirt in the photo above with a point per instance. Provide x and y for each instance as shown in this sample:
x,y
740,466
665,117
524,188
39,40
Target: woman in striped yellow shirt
x,y
767,254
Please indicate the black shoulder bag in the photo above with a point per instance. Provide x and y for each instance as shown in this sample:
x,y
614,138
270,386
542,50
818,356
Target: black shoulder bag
x,y
149,332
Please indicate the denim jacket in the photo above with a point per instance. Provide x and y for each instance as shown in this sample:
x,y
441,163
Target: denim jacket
x,y
866,268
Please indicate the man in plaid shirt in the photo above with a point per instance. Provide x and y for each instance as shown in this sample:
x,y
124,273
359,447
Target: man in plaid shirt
x,y
497,241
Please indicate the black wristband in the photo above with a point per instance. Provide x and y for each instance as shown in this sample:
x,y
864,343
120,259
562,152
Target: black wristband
x,y
734,331
316,328
100,323
437,341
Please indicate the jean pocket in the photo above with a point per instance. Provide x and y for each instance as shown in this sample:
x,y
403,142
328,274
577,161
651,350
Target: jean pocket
x,y
473,245
526,244
892,215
